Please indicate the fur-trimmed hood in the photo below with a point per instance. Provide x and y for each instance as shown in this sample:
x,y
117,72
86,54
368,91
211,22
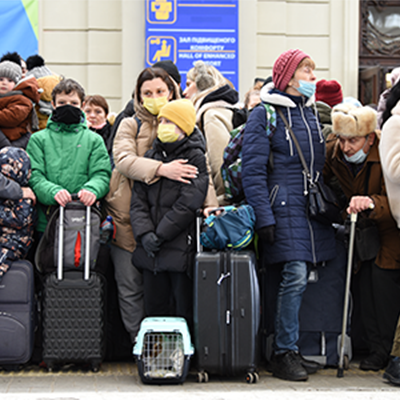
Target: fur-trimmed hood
x,y
274,96
350,121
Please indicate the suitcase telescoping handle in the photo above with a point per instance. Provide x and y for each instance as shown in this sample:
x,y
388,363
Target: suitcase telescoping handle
x,y
199,220
61,242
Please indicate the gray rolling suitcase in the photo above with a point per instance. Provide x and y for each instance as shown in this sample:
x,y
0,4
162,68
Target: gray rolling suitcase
x,y
17,314
226,313
73,311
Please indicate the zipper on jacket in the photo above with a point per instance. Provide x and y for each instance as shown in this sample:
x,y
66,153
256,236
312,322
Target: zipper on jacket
x,y
288,137
312,242
273,194
310,143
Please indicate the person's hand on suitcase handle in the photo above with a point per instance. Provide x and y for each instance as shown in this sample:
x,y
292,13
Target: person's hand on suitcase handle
x,y
86,197
63,197
151,243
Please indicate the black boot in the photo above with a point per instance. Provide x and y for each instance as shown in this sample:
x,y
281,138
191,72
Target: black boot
x,y
288,366
310,366
392,373
374,362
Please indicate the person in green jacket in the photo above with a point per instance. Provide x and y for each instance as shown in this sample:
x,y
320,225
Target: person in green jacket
x,y
67,157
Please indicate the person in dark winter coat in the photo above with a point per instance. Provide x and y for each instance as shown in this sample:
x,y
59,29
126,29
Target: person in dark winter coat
x,y
287,237
163,215
17,217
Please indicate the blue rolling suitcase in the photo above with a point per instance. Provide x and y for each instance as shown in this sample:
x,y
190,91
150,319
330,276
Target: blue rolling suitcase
x,y
17,314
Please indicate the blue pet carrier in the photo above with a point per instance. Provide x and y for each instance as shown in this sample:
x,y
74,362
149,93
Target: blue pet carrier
x,y
163,349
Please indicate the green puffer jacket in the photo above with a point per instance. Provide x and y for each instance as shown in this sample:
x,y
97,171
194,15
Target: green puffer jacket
x,y
67,157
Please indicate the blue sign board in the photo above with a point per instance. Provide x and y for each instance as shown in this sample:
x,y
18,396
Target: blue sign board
x,y
185,31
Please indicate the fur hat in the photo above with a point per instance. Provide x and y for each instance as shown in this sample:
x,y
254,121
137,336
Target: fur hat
x,y
170,68
330,92
181,113
11,70
203,79
285,66
351,121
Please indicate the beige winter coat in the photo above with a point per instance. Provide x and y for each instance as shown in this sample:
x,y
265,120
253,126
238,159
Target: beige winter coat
x,y
215,121
130,165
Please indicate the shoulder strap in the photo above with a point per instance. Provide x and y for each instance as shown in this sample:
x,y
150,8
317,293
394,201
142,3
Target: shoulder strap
x,y
139,124
296,143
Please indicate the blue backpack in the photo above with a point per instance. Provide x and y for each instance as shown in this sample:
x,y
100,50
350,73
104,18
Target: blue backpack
x,y
232,229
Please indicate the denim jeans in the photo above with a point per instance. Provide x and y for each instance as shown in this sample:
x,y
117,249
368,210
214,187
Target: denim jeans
x,y
290,294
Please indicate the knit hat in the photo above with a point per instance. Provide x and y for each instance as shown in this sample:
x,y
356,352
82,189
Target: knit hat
x,y
203,79
11,70
351,121
181,113
285,66
330,92
15,164
170,68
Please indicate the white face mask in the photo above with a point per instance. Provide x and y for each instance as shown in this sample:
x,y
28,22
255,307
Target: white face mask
x,y
359,157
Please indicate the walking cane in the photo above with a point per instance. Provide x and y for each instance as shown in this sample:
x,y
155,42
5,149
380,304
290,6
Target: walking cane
x,y
353,220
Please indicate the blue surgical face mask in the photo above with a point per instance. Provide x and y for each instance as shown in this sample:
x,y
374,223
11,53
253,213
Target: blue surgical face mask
x,y
357,158
306,88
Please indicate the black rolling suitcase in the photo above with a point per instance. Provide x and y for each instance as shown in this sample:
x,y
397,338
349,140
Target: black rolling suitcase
x,y
321,312
226,313
73,311
17,314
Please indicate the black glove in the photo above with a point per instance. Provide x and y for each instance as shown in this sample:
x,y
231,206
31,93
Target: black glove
x,y
151,243
267,234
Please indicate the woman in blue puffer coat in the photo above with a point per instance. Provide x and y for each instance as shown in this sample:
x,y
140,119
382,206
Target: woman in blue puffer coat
x,y
279,197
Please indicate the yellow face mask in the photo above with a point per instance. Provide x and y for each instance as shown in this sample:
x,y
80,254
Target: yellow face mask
x,y
166,133
154,105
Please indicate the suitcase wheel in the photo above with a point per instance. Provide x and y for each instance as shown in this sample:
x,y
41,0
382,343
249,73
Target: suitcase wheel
x,y
95,367
202,376
252,377
346,362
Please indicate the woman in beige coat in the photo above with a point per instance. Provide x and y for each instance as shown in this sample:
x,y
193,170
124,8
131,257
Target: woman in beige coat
x,y
154,88
214,100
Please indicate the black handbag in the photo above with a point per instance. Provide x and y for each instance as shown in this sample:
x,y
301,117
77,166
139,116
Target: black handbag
x,y
322,203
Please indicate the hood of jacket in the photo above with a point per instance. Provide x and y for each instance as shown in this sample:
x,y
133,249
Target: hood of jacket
x,y
224,93
274,96
29,87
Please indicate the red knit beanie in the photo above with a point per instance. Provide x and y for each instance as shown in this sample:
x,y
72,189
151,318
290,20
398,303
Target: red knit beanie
x,y
330,92
285,67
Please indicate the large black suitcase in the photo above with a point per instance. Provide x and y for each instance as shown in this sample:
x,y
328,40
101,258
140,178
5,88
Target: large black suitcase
x,y
226,313
73,311
17,314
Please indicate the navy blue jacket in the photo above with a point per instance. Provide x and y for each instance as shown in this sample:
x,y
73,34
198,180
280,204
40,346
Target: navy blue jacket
x,y
279,196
